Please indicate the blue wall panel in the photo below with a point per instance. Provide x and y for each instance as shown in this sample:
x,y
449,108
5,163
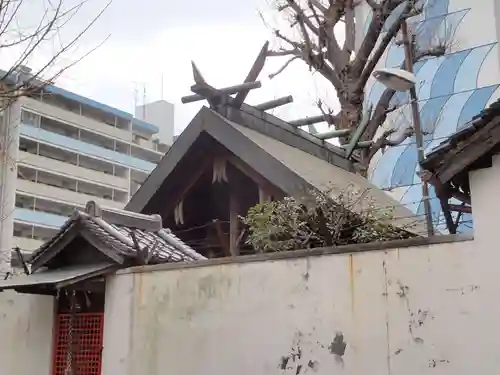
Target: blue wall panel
x,y
449,96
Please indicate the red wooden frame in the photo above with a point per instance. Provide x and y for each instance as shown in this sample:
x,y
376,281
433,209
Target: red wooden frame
x,y
87,343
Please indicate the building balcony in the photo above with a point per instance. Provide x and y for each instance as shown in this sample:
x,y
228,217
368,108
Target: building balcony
x,y
79,147
77,120
63,195
101,108
38,218
52,165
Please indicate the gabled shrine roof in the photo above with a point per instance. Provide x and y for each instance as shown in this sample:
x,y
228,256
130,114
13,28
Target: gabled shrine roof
x,y
281,154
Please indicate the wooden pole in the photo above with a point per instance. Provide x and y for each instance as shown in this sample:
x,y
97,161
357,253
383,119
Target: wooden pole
x,y
333,134
264,195
253,74
225,90
233,222
313,120
274,103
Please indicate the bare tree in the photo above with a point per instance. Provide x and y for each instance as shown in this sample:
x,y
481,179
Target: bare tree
x,y
317,25
27,28
23,36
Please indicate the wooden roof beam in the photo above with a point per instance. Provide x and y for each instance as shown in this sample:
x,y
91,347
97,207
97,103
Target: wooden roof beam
x,y
252,76
313,120
333,134
361,144
197,76
205,91
150,223
274,103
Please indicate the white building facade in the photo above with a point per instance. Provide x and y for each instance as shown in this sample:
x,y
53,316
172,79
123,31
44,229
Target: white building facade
x,y
71,149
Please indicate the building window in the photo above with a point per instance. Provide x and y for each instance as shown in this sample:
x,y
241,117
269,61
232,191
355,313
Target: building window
x,y
30,118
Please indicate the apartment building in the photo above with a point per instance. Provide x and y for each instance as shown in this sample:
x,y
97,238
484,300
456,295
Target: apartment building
x,y
72,149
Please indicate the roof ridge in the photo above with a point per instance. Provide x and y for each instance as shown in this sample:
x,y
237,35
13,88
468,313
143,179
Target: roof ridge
x,y
124,217
281,131
285,125
165,234
110,230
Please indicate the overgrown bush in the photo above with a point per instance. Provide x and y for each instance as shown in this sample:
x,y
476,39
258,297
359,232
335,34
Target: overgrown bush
x,y
329,218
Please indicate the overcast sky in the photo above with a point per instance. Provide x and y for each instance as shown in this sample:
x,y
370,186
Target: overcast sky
x,y
154,38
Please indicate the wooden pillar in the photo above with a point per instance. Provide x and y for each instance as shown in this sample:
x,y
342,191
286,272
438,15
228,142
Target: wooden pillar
x,y
264,195
233,223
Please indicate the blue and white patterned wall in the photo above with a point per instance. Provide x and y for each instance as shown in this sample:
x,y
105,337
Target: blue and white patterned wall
x,y
451,90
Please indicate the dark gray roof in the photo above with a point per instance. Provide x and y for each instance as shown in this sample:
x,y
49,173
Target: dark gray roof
x,y
118,241
58,277
476,139
124,239
477,123
292,169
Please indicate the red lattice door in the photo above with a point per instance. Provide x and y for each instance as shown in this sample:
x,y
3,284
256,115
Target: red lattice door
x,y
85,358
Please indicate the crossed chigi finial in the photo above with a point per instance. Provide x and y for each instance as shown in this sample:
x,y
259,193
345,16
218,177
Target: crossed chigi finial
x,y
220,99
222,96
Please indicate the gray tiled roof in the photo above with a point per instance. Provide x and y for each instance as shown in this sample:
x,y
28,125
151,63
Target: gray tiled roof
x,y
477,123
163,245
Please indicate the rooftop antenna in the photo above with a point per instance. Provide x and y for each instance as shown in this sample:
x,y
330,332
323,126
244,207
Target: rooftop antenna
x,y
144,102
136,94
161,87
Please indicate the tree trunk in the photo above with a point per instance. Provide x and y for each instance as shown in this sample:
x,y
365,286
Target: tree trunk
x,y
351,104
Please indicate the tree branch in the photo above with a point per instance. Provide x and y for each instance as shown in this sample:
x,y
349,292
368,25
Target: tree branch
x,y
350,32
382,47
294,44
432,52
284,52
380,15
328,115
326,35
334,54
33,39
314,60
373,4
384,141
285,65
327,72
305,35
379,114
301,17
318,5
